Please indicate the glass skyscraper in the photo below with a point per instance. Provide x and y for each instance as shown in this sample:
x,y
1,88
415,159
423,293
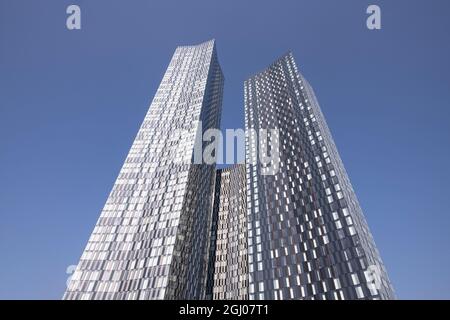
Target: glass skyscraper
x,y
151,240
174,227
228,250
307,236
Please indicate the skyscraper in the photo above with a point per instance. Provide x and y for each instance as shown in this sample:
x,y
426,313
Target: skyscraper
x,y
228,272
174,227
151,240
307,236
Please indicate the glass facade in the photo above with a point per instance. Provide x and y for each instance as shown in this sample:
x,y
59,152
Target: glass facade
x,y
228,250
307,236
151,240
176,228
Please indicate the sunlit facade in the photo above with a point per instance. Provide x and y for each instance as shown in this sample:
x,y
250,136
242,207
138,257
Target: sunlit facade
x,y
307,235
151,240
176,228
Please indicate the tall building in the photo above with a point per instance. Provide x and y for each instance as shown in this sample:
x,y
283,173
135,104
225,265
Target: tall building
x,y
151,240
307,236
175,228
228,272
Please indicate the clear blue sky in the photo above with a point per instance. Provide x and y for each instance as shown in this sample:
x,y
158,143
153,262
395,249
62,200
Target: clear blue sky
x,y
71,103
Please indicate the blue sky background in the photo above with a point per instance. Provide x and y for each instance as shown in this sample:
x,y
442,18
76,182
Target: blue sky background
x,y
71,103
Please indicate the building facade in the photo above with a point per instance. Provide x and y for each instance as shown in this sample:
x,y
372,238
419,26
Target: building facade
x,y
151,240
228,250
307,236
174,227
